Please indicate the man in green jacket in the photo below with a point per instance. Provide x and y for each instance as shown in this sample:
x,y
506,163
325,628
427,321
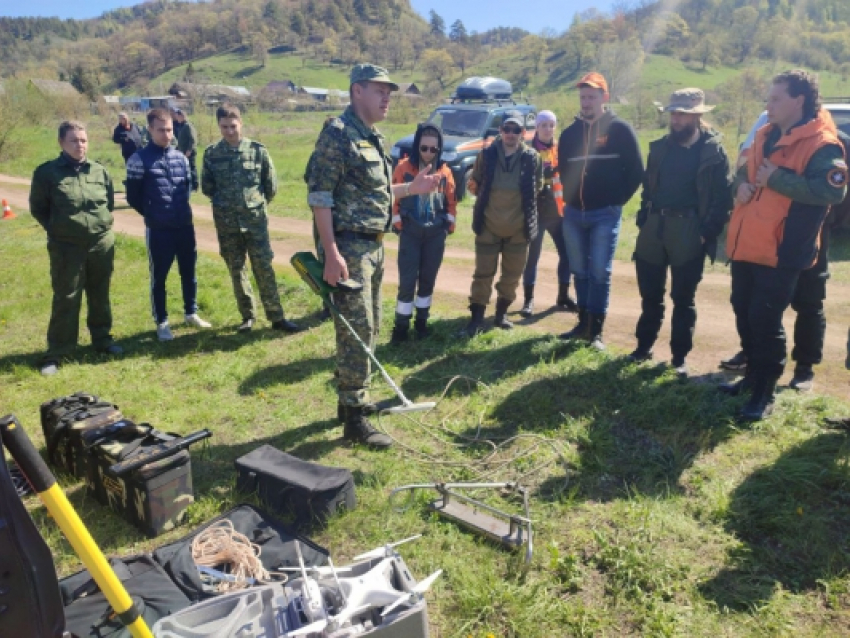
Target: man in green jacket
x,y
72,198
685,203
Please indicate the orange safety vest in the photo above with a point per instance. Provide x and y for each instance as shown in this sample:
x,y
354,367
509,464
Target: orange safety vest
x,y
757,228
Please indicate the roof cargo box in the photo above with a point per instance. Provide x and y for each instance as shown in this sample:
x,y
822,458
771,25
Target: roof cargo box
x,y
483,88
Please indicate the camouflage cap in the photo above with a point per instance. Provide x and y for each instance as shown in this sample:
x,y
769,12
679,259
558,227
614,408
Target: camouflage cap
x,y
690,100
371,73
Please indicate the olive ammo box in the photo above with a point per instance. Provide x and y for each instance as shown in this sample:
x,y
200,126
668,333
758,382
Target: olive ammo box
x,y
154,497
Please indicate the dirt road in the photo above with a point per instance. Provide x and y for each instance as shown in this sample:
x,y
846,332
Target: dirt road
x,y
715,337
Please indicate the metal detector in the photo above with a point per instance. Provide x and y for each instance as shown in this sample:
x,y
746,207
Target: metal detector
x,y
507,529
311,271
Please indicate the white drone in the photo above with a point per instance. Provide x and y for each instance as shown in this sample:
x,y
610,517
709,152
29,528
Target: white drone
x,y
370,590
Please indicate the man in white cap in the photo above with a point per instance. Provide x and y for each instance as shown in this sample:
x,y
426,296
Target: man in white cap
x,y
685,203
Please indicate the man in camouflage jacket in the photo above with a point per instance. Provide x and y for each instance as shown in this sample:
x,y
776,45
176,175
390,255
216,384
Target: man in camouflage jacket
x,y
72,198
349,179
239,178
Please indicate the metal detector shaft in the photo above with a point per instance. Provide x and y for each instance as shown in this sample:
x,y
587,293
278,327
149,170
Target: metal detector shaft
x,y
408,406
44,483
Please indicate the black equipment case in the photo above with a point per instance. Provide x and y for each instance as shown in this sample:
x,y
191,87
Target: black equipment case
x,y
306,493
63,422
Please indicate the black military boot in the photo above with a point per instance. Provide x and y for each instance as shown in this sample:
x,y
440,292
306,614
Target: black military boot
x,y
564,301
804,378
761,401
580,329
594,330
500,320
476,320
528,303
368,408
357,429
739,387
420,324
400,329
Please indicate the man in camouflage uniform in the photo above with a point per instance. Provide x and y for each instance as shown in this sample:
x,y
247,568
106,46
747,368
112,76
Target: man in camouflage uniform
x,y
239,178
351,193
72,198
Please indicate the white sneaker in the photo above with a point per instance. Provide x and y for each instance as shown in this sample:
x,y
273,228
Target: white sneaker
x,y
195,320
163,331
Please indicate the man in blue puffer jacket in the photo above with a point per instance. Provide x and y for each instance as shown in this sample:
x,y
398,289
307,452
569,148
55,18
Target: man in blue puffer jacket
x,y
158,187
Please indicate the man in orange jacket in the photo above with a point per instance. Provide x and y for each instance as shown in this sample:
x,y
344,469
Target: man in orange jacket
x,y
795,172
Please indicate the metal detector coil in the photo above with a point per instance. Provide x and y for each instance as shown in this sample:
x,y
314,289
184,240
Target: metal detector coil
x,y
507,529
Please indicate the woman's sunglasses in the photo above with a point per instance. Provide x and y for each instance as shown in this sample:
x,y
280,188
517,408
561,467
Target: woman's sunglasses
x,y
428,149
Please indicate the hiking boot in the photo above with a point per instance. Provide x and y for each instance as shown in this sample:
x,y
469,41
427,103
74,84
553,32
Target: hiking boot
x,y
804,378
368,408
246,325
761,401
564,301
357,429
476,320
285,325
738,362
640,355
112,349
739,387
196,321
595,325
420,324
580,329
163,331
400,329
528,302
680,367
500,320
49,368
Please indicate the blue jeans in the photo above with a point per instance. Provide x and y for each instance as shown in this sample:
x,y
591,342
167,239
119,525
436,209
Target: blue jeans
x,y
554,226
591,239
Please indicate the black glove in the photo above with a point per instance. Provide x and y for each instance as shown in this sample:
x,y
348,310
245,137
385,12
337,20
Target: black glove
x,y
548,172
640,219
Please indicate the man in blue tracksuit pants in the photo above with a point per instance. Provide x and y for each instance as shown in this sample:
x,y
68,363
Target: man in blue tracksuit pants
x,y
158,187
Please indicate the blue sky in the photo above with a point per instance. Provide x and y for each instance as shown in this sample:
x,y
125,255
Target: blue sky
x,y
477,15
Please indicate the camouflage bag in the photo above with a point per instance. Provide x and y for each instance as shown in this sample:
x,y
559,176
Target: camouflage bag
x,y
64,420
154,497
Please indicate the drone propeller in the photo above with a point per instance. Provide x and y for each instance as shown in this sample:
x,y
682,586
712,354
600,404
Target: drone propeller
x,y
414,594
385,550
306,630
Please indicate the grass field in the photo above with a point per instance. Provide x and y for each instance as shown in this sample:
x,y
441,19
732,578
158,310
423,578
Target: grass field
x,y
655,513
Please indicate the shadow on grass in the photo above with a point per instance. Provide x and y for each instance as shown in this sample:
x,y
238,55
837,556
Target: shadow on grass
x,y
792,518
635,427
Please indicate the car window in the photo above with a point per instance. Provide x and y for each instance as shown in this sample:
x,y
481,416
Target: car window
x,y
842,119
459,122
496,122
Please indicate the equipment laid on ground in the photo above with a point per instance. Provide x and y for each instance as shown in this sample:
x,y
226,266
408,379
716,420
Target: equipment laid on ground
x,y
139,472
63,421
305,492
501,527
483,88
377,597
311,271
43,482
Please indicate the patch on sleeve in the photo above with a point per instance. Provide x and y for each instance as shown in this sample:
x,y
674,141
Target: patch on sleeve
x,y
837,177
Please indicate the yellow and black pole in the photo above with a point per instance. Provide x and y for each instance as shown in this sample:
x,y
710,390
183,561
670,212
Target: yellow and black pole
x,y
44,483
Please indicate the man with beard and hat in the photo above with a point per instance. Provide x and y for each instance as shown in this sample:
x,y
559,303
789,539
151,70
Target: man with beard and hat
x,y
685,203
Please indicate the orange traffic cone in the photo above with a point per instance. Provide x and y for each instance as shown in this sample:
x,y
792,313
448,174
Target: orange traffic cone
x,y
7,211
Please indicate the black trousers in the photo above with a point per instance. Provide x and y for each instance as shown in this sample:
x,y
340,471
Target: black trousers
x,y
760,295
652,281
810,326
420,255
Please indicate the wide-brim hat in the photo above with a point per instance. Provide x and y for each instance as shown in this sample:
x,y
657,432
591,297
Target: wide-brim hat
x,y
371,73
688,101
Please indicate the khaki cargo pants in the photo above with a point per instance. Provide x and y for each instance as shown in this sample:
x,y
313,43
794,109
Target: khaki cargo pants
x,y
513,251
